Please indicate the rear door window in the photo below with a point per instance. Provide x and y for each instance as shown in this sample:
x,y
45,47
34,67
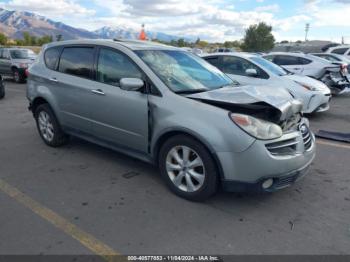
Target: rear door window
x,y
340,51
214,60
77,61
113,66
286,60
51,57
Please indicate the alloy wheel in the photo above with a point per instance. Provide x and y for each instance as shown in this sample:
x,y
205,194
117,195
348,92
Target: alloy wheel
x,y
185,168
46,126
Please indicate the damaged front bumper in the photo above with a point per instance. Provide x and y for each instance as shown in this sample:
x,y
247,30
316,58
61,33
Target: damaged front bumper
x,y
280,162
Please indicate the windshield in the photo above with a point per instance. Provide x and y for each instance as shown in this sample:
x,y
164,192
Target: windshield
x,y
22,54
273,68
184,72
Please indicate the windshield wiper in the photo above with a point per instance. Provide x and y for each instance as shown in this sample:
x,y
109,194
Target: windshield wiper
x,y
193,91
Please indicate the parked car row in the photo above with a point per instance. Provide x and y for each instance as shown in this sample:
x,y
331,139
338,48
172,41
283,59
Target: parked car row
x,y
172,108
254,70
334,75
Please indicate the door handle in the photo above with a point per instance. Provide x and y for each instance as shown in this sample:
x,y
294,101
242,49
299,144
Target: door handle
x,y
54,79
98,92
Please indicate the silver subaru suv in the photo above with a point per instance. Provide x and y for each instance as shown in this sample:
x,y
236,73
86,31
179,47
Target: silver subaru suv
x,y
169,107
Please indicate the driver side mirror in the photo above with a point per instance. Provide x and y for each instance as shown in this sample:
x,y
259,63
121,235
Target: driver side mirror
x,y
251,72
131,84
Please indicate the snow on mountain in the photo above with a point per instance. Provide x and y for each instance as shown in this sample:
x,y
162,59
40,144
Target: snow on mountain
x,y
14,23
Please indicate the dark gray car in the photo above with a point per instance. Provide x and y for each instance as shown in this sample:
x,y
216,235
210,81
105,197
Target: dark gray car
x,y
15,61
169,107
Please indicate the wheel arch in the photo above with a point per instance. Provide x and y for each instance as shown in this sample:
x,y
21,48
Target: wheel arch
x,y
37,102
167,134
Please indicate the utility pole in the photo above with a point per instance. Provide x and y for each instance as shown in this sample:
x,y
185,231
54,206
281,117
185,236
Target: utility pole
x,y
307,28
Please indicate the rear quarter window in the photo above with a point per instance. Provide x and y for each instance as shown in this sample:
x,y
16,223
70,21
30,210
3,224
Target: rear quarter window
x,y
340,51
304,61
51,57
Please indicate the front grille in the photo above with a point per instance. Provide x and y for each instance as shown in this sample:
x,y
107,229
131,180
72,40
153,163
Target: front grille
x,y
307,137
284,181
286,147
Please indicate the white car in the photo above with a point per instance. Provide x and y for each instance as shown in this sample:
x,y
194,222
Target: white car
x,y
254,70
336,59
302,64
340,50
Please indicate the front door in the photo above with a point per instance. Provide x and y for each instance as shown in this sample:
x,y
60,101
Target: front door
x,y
119,117
236,68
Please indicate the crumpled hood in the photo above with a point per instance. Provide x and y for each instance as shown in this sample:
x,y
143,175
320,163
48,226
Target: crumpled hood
x,y
278,98
305,80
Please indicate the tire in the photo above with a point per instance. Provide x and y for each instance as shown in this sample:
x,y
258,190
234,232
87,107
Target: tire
x,y
195,183
48,126
2,90
18,76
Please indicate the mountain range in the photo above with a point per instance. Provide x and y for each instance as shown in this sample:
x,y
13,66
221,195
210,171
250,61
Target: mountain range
x,y
14,23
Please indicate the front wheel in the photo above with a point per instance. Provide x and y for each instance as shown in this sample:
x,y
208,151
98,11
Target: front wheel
x,y
188,168
48,126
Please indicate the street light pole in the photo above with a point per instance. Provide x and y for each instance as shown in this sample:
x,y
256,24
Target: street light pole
x,y
307,28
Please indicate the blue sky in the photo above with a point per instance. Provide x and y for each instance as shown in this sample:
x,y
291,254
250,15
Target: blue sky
x,y
213,20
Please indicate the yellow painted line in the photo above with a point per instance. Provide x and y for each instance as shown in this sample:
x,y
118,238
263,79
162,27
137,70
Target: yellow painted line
x,y
89,241
326,143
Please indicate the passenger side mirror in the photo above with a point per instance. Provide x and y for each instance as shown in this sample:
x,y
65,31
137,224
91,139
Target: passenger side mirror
x,y
131,84
251,72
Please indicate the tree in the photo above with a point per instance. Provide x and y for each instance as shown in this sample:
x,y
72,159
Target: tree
x,y
202,44
27,39
44,40
258,38
232,44
3,39
181,42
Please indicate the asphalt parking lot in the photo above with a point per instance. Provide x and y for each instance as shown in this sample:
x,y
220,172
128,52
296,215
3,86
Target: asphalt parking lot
x,y
84,199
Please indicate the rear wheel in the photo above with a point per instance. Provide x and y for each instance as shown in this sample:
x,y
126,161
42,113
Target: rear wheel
x,y
48,126
188,168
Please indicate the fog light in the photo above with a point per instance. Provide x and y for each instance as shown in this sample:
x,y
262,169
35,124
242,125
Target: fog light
x,y
267,183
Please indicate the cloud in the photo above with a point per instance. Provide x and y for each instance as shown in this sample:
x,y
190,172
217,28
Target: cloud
x,y
268,8
51,8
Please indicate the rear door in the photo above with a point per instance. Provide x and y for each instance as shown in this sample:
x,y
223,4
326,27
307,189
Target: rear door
x,y
72,84
291,63
119,117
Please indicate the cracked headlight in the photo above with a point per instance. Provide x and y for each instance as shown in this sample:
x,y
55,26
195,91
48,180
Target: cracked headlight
x,y
257,128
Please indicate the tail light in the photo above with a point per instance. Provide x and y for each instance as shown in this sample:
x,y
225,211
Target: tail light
x,y
26,72
344,68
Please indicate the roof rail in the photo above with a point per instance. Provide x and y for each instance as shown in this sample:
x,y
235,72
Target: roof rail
x,y
143,42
